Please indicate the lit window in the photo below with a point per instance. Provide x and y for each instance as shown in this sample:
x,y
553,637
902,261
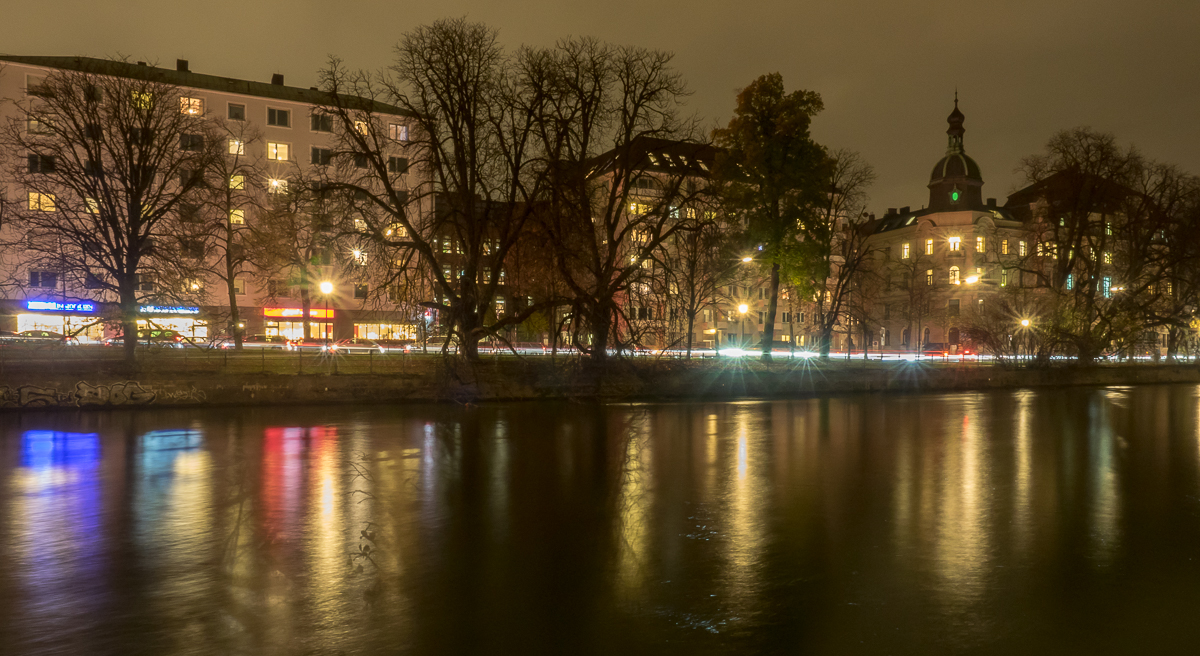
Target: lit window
x,y
1168,288
929,247
237,217
1108,227
142,100
91,205
929,276
280,118
237,182
277,186
277,151
360,127
41,202
979,244
191,106
397,132
1004,247
1004,277
499,305
237,147
954,280
955,244
1021,248
359,256
904,252
1106,286
397,231
1070,281
239,286
1107,257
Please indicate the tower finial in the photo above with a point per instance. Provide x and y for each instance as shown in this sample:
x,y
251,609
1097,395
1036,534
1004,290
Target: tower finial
x,y
956,96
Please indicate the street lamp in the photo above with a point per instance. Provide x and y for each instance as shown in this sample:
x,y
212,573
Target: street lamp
x,y
326,289
743,308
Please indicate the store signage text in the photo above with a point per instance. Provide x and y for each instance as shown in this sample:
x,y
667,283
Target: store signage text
x,y
61,306
168,309
297,313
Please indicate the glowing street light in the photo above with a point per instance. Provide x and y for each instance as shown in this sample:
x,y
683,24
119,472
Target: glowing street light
x,y
747,259
1024,323
971,280
326,289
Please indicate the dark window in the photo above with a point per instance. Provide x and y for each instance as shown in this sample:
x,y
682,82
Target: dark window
x,y
141,135
277,288
321,156
91,93
952,310
91,131
144,283
360,291
398,165
41,164
237,112
322,123
189,213
192,142
92,281
360,160
279,117
193,248
43,279
92,167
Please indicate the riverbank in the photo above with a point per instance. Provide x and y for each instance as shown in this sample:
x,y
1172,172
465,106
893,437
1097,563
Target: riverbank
x,y
430,380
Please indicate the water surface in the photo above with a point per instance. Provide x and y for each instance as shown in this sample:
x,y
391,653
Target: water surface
x,y
1057,522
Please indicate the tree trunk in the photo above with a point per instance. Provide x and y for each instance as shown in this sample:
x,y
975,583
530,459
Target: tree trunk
x,y
234,317
129,329
306,310
600,330
825,337
690,327
768,340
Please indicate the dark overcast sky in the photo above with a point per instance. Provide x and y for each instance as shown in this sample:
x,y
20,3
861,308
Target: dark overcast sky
x,y
886,69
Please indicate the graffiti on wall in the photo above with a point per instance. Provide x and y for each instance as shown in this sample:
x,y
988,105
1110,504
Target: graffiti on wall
x,y
127,393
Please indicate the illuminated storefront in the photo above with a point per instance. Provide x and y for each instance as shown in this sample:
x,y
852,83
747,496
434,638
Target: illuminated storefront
x,y
289,322
385,331
78,318
183,319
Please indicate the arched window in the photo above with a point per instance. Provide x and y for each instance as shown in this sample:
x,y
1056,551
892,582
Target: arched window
x,y
953,275
904,337
926,336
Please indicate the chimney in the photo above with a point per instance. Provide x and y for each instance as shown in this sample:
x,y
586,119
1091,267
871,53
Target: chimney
x,y
277,79
181,65
991,202
904,210
141,63
891,210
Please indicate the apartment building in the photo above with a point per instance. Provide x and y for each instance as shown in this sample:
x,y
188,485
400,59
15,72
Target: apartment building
x,y
295,136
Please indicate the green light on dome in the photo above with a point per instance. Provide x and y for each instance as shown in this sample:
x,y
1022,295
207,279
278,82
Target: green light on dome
x,y
954,196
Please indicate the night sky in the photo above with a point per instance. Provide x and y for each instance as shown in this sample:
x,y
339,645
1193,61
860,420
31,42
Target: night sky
x,y
887,70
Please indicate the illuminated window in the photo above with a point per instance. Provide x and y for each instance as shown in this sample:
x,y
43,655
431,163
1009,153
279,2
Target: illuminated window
x,y
979,244
360,127
91,205
239,286
277,186
929,276
280,118
447,244
41,202
904,251
278,151
1169,288
142,100
1004,277
1106,286
500,305
237,147
1004,247
237,182
1021,248
1107,257
191,106
929,247
1108,227
397,132
38,125
955,244
237,217
954,280
396,231
1070,281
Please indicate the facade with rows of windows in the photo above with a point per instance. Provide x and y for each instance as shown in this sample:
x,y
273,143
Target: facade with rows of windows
x,y
293,136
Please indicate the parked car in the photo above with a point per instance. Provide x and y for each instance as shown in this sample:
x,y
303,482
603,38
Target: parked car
x,y
270,342
151,338
935,349
356,345
45,337
397,345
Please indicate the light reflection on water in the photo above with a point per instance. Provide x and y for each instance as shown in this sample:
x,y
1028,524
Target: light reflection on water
x,y
1057,521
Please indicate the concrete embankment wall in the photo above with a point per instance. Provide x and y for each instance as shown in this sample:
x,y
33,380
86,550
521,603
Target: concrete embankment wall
x,y
530,380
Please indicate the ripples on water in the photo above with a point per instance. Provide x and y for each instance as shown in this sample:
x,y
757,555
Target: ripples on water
x,y
1034,522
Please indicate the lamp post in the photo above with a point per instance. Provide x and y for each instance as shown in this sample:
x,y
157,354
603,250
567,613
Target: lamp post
x,y
1025,338
743,308
326,289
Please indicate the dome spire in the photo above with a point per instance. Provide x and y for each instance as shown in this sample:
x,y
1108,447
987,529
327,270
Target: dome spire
x,y
956,129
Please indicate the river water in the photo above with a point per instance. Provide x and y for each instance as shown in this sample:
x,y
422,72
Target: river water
x,y
1050,521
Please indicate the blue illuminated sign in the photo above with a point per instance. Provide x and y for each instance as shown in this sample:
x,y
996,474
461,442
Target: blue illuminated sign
x,y
61,306
168,309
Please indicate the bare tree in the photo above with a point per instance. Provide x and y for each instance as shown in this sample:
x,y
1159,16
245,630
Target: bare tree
x,y
108,162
